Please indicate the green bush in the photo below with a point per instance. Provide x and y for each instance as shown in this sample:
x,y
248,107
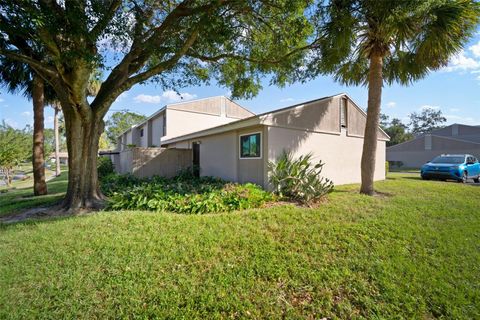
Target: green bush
x,y
182,194
298,179
387,167
104,167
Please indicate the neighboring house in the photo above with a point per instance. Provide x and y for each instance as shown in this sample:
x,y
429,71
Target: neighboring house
x,y
330,128
453,139
63,157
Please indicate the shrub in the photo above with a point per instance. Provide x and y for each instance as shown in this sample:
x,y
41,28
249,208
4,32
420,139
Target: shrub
x,y
298,179
396,164
182,194
387,167
104,167
113,182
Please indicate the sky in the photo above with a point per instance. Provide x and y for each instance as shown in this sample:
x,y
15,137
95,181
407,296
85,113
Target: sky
x,y
455,90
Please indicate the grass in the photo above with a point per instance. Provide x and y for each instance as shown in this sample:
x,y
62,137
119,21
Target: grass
x,y
21,197
413,253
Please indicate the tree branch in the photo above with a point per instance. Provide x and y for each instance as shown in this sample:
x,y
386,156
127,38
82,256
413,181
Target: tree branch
x,y
105,20
35,64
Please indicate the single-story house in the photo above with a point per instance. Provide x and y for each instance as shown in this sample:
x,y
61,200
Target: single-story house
x,y
62,156
453,139
331,128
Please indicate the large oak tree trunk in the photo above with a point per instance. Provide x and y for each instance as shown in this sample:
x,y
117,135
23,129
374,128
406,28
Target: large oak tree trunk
x,y
38,159
83,131
375,84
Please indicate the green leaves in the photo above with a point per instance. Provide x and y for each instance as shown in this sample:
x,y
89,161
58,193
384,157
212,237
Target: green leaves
x,y
119,122
183,194
298,179
15,147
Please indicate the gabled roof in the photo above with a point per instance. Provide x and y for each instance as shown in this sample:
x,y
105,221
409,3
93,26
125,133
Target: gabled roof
x,y
176,104
257,120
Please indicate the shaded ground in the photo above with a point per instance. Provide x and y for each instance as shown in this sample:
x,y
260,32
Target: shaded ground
x,y
412,254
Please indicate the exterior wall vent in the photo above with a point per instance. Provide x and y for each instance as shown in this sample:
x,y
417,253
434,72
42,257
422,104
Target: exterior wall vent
x,y
455,130
343,112
428,142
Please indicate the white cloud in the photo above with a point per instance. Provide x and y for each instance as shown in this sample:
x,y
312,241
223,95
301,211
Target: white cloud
x,y
475,49
168,96
171,96
391,104
26,114
49,120
460,62
429,107
145,98
1,100
454,110
287,100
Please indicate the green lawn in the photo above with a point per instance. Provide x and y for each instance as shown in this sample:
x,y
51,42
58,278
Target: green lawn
x,y
413,253
21,198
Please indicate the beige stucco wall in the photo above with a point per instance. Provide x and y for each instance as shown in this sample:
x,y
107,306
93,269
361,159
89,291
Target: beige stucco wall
x,y
183,122
234,110
340,153
147,162
128,137
143,140
252,170
320,116
157,129
218,156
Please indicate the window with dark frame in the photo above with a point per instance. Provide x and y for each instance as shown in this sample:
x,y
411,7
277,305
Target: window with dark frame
x,y
141,132
250,145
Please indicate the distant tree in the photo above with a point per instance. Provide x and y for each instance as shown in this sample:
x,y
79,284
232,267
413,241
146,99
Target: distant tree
x,y
119,122
373,43
426,121
15,147
17,76
398,132
104,143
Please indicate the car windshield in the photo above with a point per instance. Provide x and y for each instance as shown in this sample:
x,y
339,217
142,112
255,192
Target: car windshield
x,y
443,159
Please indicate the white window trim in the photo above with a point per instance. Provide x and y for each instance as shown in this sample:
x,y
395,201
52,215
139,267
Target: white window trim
x,y
240,146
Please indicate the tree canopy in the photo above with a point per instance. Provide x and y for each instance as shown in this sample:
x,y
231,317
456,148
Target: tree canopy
x,y
427,120
119,122
15,147
173,43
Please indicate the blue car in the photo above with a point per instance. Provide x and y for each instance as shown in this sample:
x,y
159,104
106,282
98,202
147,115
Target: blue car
x,y
459,167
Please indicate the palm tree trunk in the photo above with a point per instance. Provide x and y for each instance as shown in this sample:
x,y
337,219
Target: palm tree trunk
x,y
375,84
38,160
57,142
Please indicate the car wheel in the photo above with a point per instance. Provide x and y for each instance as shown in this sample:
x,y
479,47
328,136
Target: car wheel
x,y
477,179
425,178
464,178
